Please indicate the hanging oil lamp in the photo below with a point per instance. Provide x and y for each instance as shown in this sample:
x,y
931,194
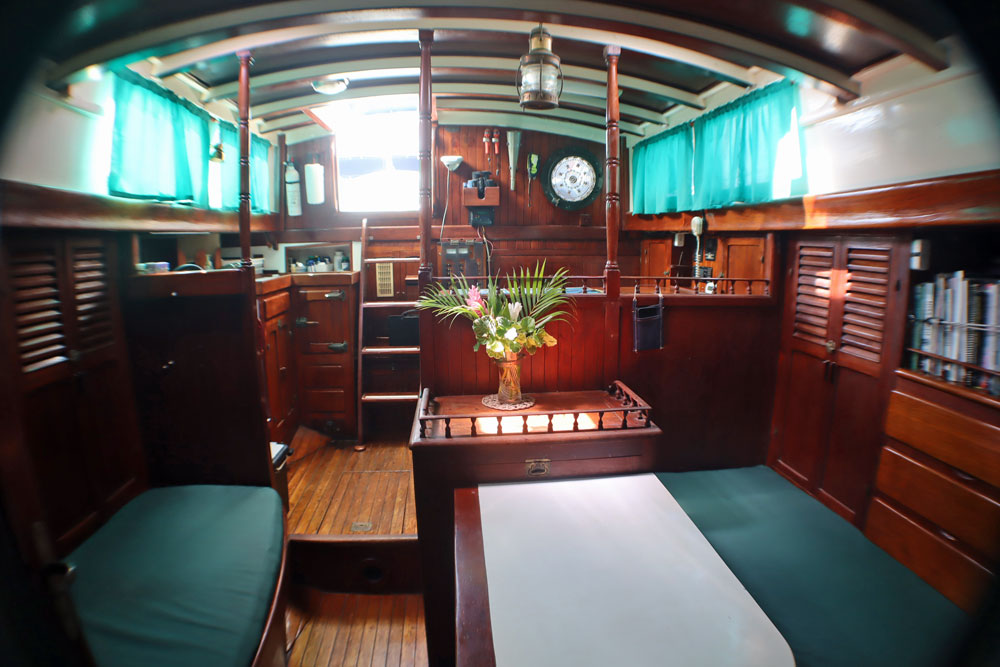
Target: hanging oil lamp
x,y
539,77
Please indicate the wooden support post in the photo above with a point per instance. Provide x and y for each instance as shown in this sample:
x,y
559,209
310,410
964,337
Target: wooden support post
x,y
612,220
612,164
243,101
282,204
426,269
424,150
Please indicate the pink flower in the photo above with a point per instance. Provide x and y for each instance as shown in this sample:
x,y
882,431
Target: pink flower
x,y
475,300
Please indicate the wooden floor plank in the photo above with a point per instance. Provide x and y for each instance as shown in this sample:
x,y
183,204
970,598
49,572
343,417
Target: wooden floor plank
x,y
410,523
409,649
371,630
338,656
381,641
399,505
395,644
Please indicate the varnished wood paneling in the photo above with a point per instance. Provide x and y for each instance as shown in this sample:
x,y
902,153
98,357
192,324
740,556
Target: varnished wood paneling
x,y
963,199
41,207
514,208
939,494
941,564
968,444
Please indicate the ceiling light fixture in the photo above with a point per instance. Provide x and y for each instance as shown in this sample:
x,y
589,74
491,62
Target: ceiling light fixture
x,y
539,78
330,86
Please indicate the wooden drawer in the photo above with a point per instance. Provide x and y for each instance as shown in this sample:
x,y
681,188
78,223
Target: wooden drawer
x,y
326,376
275,304
941,496
961,441
935,559
324,400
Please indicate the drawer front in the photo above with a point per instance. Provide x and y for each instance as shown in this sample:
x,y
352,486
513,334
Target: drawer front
x,y
325,400
968,444
326,376
936,493
276,304
935,559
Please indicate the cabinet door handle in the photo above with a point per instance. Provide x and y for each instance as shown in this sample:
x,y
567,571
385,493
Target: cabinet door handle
x,y
335,294
338,347
304,322
283,370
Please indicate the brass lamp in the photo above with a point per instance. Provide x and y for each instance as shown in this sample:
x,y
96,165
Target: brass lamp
x,y
539,78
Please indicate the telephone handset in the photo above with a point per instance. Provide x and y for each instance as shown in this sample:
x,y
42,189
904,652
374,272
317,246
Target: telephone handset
x,y
697,228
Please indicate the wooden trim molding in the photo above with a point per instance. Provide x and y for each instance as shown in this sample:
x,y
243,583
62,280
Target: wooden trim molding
x,y
36,206
962,199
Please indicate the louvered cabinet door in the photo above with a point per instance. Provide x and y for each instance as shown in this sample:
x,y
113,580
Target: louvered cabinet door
x,y
78,420
802,409
868,316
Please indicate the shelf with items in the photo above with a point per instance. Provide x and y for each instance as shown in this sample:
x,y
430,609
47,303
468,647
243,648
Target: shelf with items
x,y
954,312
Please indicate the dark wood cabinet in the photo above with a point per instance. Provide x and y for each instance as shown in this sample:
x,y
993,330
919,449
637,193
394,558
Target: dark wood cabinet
x,y
841,333
325,328
937,502
69,422
279,367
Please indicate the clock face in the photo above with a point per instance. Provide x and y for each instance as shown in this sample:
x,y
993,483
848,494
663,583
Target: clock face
x,y
572,178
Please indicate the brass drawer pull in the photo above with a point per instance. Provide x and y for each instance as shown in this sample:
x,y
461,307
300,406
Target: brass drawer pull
x,y
335,294
537,467
338,347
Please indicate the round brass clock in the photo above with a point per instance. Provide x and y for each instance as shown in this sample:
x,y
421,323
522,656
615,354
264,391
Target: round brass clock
x,y
572,178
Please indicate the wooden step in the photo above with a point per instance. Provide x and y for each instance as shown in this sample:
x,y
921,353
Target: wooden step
x,y
390,304
389,397
383,350
391,260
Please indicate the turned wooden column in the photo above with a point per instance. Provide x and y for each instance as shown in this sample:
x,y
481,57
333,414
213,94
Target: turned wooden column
x,y
243,102
612,163
424,151
612,220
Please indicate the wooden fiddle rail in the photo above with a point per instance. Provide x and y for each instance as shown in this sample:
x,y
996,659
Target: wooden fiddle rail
x,y
948,360
724,285
504,279
632,405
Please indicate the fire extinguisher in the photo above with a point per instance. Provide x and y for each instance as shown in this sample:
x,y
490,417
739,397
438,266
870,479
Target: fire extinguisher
x,y
293,191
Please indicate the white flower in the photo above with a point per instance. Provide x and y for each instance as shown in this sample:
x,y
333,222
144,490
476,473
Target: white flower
x,y
515,310
510,334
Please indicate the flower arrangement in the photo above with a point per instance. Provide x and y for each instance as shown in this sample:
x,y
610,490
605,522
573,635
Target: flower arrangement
x,y
508,322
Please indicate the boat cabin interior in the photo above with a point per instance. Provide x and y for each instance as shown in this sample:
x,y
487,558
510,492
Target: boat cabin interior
x,y
499,333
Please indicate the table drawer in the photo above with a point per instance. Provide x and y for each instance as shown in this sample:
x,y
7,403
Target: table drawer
x,y
324,400
941,496
325,376
937,560
275,304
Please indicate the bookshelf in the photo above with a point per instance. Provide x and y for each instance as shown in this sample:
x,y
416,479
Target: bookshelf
x,y
953,332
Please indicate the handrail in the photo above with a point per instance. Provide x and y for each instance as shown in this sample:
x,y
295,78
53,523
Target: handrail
x,y
699,285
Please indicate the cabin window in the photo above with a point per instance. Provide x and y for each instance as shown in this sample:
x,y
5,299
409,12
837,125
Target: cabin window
x,y
748,151
376,153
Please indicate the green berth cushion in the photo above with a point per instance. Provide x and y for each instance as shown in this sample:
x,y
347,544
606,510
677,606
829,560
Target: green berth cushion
x,y
836,597
181,576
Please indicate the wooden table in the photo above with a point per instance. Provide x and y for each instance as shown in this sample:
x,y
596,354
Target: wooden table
x,y
457,442
606,571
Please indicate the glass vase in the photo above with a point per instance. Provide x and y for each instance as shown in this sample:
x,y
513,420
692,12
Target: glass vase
x,y
509,391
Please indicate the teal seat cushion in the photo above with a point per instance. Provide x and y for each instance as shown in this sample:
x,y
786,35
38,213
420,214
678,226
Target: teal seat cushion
x,y
181,576
836,597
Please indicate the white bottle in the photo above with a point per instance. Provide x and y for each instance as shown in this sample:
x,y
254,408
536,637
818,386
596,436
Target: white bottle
x,y
293,191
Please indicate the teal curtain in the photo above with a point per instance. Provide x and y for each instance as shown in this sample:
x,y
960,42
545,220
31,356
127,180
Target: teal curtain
x,y
750,150
661,172
260,174
229,136
160,144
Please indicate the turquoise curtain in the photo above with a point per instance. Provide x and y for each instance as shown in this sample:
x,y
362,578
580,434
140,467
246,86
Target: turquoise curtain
x,y
750,150
260,175
661,172
229,136
160,144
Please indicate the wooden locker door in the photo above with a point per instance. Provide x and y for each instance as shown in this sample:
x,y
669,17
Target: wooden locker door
x,y
327,326
745,259
869,285
286,383
655,259
802,409
272,334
